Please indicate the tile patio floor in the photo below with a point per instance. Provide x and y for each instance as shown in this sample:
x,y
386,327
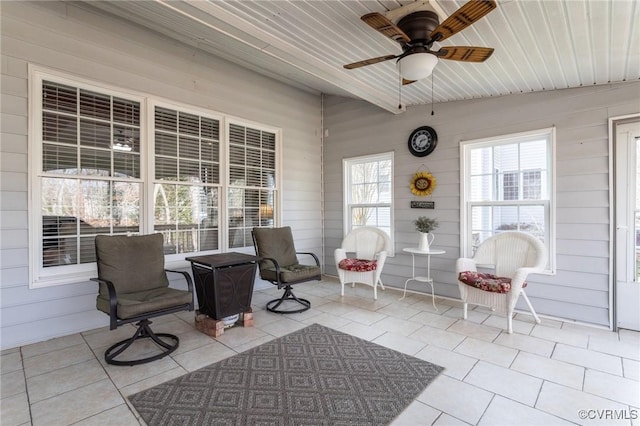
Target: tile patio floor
x,y
540,375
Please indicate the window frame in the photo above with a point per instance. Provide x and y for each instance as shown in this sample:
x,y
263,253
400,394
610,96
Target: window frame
x,y
347,163
40,276
549,134
277,189
150,180
64,274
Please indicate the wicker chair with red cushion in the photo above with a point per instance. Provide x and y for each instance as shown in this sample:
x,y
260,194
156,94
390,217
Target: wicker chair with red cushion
x,y
361,257
513,255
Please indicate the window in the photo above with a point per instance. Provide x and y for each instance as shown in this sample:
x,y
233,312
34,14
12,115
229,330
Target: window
x,y
186,180
88,169
252,182
510,186
108,162
507,184
368,192
530,188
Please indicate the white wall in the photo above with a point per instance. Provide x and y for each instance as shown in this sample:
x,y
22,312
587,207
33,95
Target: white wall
x,y
580,289
75,39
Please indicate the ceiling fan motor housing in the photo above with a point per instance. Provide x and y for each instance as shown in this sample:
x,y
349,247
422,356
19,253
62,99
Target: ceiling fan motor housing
x,y
419,30
419,26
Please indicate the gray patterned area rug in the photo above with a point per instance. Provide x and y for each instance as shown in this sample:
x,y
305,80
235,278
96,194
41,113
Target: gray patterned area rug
x,y
314,376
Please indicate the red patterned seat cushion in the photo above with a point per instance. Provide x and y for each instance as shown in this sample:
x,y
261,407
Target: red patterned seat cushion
x,y
358,265
486,282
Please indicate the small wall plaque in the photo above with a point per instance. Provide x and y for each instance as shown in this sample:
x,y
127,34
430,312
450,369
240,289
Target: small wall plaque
x,y
423,204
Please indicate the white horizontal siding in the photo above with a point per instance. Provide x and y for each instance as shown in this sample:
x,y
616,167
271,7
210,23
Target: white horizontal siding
x,y
13,238
19,314
579,199
75,39
580,289
15,201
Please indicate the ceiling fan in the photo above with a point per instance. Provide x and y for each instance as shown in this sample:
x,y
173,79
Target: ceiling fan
x,y
417,33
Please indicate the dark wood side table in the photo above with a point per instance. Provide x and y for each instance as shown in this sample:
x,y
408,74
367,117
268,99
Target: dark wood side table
x,y
224,286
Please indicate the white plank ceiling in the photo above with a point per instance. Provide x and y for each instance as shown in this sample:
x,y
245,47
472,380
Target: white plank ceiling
x,y
539,44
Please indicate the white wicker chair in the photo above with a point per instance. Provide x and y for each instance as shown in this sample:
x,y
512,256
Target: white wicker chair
x,y
514,255
368,247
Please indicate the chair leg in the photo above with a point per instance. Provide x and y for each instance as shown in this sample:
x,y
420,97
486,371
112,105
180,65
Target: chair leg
x,y
375,291
142,332
381,285
464,310
533,311
342,289
509,322
375,294
272,306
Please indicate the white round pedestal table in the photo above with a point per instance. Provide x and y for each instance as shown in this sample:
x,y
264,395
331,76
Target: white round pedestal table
x,y
416,251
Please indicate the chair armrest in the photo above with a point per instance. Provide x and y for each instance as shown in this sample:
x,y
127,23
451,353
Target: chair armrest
x,y
339,254
380,258
187,277
520,276
275,263
517,281
310,254
113,302
465,264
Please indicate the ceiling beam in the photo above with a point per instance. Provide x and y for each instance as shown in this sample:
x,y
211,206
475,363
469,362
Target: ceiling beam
x,y
221,23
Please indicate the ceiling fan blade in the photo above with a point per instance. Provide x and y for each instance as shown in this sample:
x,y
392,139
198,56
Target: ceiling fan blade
x,y
405,81
369,61
382,24
462,18
465,53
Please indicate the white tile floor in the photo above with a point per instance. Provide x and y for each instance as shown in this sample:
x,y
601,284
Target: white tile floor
x,y
540,375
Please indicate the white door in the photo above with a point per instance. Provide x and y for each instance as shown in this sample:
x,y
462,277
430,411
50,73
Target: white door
x,y
627,255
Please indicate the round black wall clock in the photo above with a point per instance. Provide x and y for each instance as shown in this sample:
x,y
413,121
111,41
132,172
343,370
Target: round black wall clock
x,y
423,141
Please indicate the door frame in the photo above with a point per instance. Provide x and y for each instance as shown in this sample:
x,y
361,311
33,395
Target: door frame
x,y
614,122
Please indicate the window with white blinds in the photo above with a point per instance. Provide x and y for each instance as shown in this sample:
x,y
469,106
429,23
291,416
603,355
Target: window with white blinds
x,y
108,162
186,180
90,171
508,186
368,192
252,182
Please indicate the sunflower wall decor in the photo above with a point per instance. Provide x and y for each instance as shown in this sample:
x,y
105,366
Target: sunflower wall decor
x,y
422,184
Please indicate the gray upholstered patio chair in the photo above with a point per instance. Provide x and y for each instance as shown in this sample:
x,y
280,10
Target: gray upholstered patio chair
x,y
279,265
133,287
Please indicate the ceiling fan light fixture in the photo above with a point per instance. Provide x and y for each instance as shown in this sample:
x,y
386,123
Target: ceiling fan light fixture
x,y
417,66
